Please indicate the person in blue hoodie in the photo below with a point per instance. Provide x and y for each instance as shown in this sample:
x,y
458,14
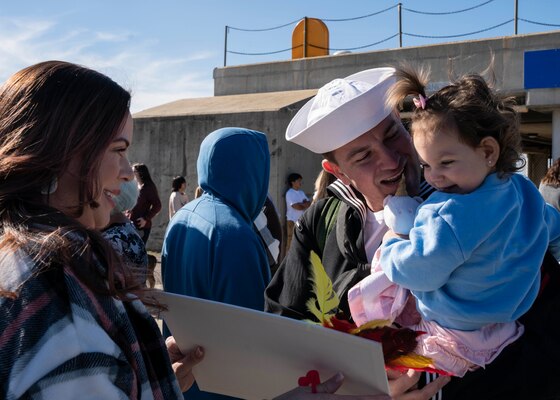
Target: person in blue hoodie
x,y
211,250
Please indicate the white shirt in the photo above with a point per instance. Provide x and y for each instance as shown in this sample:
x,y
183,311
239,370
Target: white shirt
x,y
293,197
176,201
374,229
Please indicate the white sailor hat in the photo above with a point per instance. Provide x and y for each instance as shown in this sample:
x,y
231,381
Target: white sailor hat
x,y
342,110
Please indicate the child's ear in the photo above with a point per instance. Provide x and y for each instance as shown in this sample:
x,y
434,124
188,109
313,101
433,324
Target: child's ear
x,y
491,149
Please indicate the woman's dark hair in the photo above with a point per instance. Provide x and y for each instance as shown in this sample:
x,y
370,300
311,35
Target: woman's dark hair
x,y
143,174
552,177
177,182
51,113
293,177
467,104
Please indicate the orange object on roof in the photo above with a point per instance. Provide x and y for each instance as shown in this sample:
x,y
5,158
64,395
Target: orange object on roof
x,y
310,38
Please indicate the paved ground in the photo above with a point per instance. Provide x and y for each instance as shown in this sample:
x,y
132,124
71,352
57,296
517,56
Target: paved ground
x,y
157,275
157,271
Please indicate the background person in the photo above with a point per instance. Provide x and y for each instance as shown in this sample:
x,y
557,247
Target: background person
x,y
296,203
211,249
322,182
123,236
550,185
178,198
148,204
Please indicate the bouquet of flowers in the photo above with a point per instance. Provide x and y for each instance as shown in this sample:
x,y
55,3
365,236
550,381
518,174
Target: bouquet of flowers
x,y
398,342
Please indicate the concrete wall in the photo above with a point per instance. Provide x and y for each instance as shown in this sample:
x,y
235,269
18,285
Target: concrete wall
x,y
312,73
170,146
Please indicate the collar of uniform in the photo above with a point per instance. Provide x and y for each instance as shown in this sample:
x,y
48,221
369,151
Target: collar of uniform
x,y
425,189
350,196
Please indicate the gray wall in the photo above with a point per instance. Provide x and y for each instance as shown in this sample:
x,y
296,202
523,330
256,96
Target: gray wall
x,y
170,146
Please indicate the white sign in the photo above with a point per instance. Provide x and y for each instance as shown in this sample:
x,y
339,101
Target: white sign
x,y
255,355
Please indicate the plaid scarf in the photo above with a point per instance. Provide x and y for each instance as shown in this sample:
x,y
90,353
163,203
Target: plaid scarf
x,y
61,340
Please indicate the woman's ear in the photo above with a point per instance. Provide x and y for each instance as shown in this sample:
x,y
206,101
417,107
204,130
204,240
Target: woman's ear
x,y
332,168
491,149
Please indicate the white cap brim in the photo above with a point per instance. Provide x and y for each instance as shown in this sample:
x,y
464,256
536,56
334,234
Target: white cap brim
x,y
348,121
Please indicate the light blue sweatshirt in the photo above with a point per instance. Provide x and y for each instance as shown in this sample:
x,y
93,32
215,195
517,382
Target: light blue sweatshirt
x,y
474,259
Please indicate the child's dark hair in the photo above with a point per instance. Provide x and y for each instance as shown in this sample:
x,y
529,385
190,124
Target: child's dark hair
x,y
468,104
177,182
293,177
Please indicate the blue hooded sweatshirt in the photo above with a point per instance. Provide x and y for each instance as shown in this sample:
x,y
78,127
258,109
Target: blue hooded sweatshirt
x,y
211,249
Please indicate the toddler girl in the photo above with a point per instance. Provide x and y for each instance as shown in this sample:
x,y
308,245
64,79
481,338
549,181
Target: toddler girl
x,y
473,255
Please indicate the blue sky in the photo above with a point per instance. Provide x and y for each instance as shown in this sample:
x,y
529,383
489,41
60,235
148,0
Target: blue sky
x,y
167,50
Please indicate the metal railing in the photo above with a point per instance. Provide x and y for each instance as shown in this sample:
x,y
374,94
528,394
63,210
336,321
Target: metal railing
x,y
400,32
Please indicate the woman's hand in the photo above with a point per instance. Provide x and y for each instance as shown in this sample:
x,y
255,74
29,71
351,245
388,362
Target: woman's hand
x,y
141,222
182,364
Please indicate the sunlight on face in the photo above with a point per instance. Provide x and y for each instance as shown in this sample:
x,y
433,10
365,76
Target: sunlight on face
x,y
375,162
114,169
450,165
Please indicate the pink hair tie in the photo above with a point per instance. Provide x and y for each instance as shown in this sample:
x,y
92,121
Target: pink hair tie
x,y
420,102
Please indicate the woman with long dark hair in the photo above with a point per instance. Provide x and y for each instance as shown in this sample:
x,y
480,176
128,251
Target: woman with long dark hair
x,y
148,204
71,318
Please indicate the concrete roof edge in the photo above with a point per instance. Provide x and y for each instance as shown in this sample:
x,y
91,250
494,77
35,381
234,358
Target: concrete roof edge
x,y
229,104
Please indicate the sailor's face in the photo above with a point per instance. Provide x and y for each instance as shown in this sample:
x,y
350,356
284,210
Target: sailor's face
x,y
375,162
